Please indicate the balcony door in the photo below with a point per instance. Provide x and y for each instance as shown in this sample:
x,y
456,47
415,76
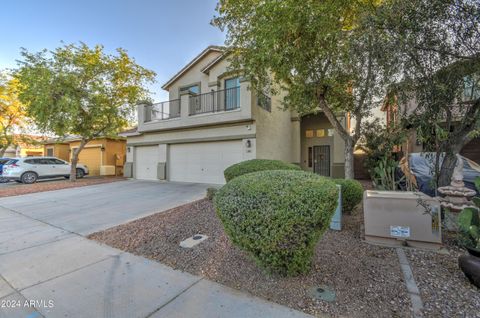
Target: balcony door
x,y
232,93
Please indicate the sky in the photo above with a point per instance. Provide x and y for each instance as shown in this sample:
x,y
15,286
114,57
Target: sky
x,y
161,35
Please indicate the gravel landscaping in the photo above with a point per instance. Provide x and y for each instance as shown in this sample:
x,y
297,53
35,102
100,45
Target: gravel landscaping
x,y
11,189
366,279
445,291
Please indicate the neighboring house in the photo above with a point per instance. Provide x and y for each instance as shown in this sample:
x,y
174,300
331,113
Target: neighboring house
x,y
102,156
394,111
213,120
26,146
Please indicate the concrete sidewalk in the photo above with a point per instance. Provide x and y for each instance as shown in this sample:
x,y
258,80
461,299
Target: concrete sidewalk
x,y
49,271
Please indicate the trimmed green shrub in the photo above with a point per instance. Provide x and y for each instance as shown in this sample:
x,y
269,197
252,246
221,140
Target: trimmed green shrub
x,y
352,193
211,193
255,165
277,216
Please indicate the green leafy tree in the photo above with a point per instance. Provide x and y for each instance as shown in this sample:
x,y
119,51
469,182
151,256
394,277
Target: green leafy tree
x,y
12,112
78,90
325,55
438,42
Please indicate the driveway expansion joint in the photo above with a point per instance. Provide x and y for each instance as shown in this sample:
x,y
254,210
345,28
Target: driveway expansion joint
x,y
41,221
175,297
70,272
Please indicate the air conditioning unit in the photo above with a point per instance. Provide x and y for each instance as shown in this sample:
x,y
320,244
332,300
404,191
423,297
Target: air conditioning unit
x,y
397,218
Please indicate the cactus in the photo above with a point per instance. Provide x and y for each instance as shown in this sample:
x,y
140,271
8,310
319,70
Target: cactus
x,y
469,222
384,175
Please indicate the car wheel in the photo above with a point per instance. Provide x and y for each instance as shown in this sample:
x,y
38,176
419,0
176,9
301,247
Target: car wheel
x,y
29,177
80,173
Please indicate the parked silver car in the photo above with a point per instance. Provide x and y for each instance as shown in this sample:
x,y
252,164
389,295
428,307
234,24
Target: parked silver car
x,y
30,169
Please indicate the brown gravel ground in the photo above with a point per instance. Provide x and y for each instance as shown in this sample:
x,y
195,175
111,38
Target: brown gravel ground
x,y
445,291
366,278
49,185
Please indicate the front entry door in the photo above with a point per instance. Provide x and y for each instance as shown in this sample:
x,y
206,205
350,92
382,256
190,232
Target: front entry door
x,y
321,160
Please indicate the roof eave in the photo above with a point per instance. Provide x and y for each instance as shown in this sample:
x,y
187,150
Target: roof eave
x,y
192,63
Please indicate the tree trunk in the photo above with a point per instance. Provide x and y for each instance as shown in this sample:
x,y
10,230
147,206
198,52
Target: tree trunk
x,y
73,167
349,162
447,167
344,134
4,148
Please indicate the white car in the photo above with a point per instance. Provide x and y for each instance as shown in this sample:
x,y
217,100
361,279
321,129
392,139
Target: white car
x,y
30,169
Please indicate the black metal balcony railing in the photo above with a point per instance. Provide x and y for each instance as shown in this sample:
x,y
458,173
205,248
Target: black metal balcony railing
x,y
215,101
166,110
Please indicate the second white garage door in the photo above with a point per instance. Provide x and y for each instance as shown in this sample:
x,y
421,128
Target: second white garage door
x,y
203,162
146,162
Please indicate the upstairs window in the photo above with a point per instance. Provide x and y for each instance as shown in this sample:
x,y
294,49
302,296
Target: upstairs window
x,y
232,93
194,89
264,101
471,88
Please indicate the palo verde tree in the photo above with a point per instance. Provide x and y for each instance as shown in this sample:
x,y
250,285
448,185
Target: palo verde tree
x,y
325,55
12,112
83,91
438,42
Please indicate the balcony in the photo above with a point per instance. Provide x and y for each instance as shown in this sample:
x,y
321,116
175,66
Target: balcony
x,y
193,110
214,101
164,110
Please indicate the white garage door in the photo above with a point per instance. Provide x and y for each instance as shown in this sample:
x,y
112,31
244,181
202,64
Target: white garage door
x,y
146,161
203,162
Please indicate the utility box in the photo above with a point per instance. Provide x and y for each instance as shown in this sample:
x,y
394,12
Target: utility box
x,y
107,170
397,218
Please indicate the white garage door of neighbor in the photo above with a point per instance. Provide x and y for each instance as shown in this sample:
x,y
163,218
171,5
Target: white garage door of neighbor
x,y
146,162
203,162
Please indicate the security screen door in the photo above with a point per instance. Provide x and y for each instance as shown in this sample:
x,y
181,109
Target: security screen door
x,y
321,160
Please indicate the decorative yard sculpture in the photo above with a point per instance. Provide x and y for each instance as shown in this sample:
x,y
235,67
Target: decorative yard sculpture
x,y
456,195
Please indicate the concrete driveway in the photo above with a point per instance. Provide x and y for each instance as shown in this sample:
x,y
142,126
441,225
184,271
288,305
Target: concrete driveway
x,y
85,210
49,269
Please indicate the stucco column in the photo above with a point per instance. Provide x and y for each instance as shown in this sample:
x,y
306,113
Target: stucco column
x,y
184,105
296,141
141,113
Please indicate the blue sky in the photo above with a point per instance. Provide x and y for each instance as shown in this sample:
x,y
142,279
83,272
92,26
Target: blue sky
x,y
161,35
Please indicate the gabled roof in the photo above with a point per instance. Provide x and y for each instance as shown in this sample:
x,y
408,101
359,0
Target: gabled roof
x,y
209,66
211,48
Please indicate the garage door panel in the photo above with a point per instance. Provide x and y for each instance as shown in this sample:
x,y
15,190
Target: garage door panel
x,y
203,162
91,157
146,162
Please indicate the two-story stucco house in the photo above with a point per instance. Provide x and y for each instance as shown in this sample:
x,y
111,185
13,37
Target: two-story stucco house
x,y
213,120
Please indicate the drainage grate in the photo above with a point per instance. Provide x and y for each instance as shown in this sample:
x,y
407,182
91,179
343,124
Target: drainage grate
x,y
322,293
193,241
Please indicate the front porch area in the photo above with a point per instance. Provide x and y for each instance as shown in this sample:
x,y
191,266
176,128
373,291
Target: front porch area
x,y
321,148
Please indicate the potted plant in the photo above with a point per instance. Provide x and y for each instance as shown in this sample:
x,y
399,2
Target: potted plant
x,y
469,231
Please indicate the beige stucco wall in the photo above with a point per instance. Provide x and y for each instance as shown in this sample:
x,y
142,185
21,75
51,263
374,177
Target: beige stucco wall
x,y
221,132
193,76
274,131
217,74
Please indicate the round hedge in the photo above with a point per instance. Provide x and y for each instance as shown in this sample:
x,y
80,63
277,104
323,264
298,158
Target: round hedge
x,y
352,193
277,216
255,165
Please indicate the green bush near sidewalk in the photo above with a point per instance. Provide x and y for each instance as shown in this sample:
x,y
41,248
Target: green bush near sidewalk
x,y
277,216
255,165
352,193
